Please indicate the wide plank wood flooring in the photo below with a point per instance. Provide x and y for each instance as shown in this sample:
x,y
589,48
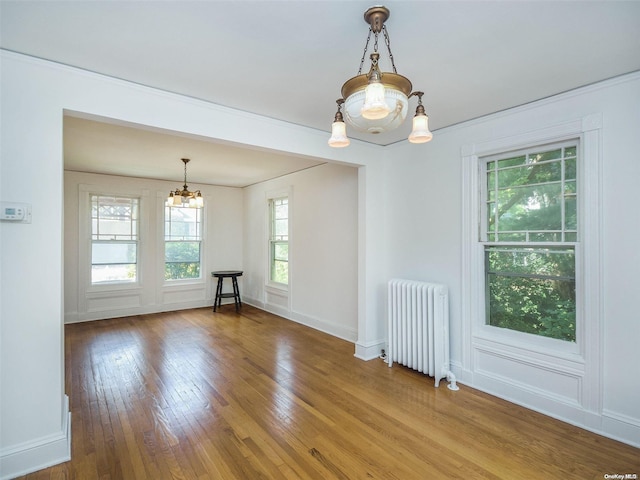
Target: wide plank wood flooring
x,y
202,395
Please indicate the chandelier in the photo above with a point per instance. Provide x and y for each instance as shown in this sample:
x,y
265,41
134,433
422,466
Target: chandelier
x,y
377,101
185,198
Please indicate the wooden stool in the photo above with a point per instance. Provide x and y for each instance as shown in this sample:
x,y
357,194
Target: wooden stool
x,y
221,275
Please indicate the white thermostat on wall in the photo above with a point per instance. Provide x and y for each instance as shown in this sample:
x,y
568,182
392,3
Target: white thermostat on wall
x,y
15,212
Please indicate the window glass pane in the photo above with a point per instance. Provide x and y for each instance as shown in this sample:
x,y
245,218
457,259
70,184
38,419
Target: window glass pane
x,y
530,208
570,169
114,218
491,179
105,253
513,237
545,156
281,229
571,237
510,162
182,260
182,251
530,174
282,210
281,251
532,290
181,270
570,187
280,272
545,237
570,213
113,273
182,223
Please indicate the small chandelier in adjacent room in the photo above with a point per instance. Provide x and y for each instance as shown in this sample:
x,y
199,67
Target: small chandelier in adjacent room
x,y
185,198
378,101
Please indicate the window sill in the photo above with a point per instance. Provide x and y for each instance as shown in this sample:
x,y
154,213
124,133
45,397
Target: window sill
x,y
114,287
185,283
277,288
508,340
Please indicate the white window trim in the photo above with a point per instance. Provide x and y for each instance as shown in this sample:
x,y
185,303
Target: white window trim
x,y
86,289
538,351
276,288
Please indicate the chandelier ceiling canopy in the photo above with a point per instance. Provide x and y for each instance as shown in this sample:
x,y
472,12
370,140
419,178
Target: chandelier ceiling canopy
x,y
185,198
377,101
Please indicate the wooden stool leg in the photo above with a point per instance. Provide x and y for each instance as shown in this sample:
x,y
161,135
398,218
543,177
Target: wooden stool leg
x,y
236,292
218,300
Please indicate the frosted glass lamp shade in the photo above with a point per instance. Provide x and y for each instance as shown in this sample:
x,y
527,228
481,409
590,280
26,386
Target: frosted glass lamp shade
x,y
375,105
420,132
339,135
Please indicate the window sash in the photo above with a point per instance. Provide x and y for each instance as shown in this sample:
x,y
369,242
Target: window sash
x,y
182,223
183,243
114,217
536,294
558,190
114,238
279,240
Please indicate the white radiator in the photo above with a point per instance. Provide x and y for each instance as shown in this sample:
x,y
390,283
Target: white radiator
x,y
419,328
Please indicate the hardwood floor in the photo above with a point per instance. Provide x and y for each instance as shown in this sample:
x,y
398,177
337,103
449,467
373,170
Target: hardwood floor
x,y
226,395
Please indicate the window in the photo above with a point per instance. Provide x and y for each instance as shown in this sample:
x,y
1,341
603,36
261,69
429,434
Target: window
x,y
114,239
182,242
279,240
529,231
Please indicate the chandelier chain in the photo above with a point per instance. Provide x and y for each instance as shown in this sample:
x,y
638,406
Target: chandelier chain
x,y
388,43
364,53
185,175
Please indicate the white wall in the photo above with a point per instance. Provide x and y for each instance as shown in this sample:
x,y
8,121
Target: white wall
x,y
35,95
323,263
222,249
425,224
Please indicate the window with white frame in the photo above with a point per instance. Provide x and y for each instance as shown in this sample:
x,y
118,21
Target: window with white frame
x,y
182,242
114,239
529,231
279,240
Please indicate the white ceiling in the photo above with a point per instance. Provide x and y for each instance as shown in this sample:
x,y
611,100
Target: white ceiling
x,y
288,60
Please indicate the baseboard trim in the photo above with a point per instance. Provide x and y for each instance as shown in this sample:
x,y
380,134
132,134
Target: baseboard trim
x,y
333,329
369,351
75,317
40,453
608,424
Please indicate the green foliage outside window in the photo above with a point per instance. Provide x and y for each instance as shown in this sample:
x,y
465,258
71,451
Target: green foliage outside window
x,y
280,265
532,199
279,240
182,260
532,291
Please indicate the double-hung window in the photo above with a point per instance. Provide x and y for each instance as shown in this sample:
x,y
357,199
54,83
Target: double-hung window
x,y
529,232
279,240
114,239
182,242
